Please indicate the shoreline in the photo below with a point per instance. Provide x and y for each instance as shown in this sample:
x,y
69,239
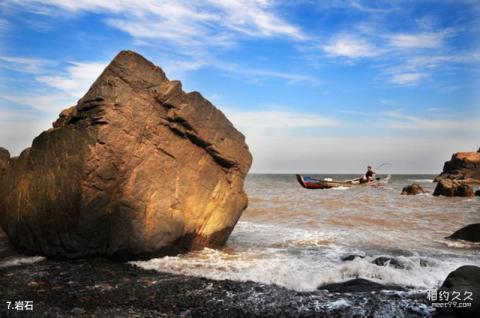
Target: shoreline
x,y
100,287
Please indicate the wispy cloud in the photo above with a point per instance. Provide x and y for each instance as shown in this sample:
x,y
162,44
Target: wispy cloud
x,y
397,119
24,64
257,75
407,78
61,90
186,23
76,80
417,40
351,46
279,118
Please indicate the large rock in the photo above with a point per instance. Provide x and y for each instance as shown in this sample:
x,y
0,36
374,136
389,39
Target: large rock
x,y
463,166
412,189
464,281
470,233
137,168
453,188
4,156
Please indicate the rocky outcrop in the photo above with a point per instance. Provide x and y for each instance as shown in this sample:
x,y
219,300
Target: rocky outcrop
x,y
470,233
463,166
4,156
453,188
137,168
412,189
464,281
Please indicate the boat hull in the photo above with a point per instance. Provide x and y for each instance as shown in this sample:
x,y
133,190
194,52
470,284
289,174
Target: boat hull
x,y
312,183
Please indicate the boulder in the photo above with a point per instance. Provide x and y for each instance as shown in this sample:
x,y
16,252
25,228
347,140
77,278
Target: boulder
x,y
4,156
453,188
358,285
463,281
137,168
470,233
412,189
463,166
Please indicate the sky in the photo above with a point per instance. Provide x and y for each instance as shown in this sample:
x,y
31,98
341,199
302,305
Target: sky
x,y
315,86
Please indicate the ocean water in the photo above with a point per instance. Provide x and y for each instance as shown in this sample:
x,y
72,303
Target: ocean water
x,y
295,237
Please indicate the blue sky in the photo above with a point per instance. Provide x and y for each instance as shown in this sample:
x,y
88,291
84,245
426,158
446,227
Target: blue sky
x,y
316,86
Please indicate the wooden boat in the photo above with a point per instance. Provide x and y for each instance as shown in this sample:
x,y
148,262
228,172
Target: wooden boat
x,y
312,183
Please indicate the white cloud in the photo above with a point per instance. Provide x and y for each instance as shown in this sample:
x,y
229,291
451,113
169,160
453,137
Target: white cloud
x,y
419,40
186,23
351,46
76,81
407,78
61,90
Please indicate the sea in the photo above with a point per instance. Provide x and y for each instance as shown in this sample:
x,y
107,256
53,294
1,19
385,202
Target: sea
x,y
296,238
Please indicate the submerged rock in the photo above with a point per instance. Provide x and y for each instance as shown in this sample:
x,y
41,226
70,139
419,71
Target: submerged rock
x,y
464,281
358,285
470,233
412,189
453,188
463,166
137,168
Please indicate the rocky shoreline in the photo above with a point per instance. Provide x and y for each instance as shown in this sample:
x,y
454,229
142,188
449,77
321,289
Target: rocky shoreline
x,y
99,287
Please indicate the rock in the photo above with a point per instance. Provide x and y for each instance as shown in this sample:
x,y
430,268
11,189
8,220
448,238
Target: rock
x,y
453,188
470,233
358,285
477,193
138,168
351,257
4,156
464,280
387,261
413,189
463,166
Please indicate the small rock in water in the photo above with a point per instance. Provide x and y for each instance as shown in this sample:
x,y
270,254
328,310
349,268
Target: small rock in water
x,y
351,257
413,189
470,233
385,261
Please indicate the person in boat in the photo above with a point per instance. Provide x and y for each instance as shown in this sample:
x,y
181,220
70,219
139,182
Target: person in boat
x,y
369,175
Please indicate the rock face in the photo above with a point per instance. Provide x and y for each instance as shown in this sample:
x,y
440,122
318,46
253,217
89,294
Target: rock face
x,y
137,168
4,156
413,189
463,166
465,279
453,188
470,233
